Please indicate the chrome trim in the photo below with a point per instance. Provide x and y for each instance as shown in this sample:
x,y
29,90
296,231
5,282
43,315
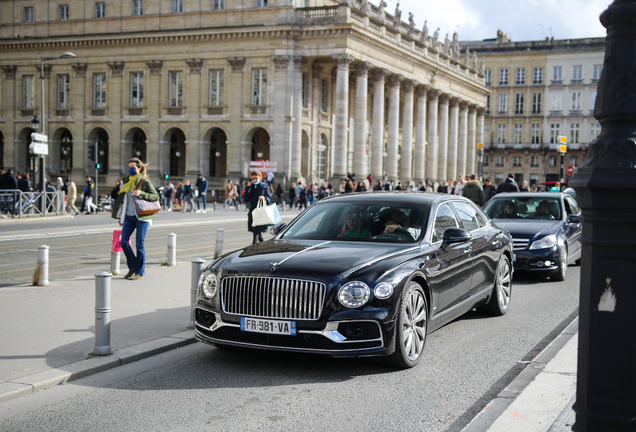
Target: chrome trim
x,y
520,243
270,297
274,266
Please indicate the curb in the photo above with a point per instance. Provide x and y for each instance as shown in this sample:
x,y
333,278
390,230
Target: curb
x,y
7,220
496,407
43,380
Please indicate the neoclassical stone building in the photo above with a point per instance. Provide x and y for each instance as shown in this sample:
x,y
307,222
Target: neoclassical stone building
x,y
321,87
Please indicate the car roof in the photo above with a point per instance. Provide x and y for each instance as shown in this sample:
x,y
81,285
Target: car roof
x,y
395,197
528,195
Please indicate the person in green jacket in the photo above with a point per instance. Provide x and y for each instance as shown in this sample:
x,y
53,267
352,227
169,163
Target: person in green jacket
x,y
136,184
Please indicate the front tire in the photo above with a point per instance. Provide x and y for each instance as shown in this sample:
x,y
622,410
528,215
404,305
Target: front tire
x,y
411,329
502,291
563,266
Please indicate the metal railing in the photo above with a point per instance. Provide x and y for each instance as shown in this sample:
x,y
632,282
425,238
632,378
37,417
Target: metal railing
x,y
15,203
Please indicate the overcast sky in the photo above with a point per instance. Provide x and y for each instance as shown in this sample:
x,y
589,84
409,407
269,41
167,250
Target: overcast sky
x,y
521,20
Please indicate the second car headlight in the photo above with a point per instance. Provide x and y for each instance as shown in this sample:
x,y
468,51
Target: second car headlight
x,y
208,284
546,242
354,294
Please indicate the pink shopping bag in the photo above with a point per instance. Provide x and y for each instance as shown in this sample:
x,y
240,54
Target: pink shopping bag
x,y
117,241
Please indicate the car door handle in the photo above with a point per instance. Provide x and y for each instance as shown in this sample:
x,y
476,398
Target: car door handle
x,y
467,251
496,243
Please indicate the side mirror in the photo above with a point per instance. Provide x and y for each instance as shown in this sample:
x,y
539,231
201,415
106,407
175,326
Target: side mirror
x,y
574,218
277,228
456,235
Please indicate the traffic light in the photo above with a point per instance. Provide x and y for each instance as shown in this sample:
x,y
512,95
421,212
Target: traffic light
x,y
91,152
98,166
166,176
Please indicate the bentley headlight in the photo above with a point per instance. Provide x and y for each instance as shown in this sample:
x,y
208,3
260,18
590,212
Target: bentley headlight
x,y
383,290
546,242
208,284
354,294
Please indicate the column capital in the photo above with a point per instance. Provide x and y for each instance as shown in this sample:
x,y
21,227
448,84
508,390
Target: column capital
x,y
472,108
316,69
362,68
47,69
9,71
454,102
81,68
433,94
421,90
281,61
299,62
444,98
394,80
463,105
481,111
343,60
237,63
408,85
116,68
154,66
195,65
378,74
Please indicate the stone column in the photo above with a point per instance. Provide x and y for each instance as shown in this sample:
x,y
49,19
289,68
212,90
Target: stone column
x,y
406,171
80,90
462,167
377,148
280,149
339,143
10,102
442,157
194,149
158,149
479,133
235,163
360,138
451,162
316,70
420,134
432,145
394,126
471,147
297,139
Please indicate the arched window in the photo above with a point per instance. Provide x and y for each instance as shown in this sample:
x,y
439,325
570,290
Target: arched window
x,y
260,145
218,154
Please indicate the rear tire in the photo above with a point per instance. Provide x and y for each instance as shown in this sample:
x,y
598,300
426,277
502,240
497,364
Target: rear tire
x,y
502,291
411,328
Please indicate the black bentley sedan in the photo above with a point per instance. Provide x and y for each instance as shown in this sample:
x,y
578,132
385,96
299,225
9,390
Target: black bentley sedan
x,y
368,274
545,227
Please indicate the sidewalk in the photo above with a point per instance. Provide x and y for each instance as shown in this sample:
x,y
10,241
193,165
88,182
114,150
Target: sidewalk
x,y
51,329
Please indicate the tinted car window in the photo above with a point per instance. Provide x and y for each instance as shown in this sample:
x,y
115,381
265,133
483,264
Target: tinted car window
x,y
467,215
445,218
328,221
524,208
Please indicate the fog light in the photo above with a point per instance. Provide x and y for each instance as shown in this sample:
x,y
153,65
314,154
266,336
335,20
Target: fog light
x,y
547,263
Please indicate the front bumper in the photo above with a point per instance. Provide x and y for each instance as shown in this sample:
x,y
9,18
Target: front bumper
x,y
535,260
368,337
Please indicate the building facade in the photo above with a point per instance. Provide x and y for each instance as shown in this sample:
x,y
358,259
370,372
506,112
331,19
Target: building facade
x,y
541,90
320,87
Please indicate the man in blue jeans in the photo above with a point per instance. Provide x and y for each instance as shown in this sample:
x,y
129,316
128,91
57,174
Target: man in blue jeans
x,y
202,187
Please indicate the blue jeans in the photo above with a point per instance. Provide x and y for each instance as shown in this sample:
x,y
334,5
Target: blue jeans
x,y
199,198
135,263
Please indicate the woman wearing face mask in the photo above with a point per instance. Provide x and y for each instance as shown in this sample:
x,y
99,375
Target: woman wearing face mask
x,y
136,184
256,191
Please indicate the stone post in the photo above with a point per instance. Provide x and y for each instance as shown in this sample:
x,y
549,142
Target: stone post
x,y
420,134
339,144
431,146
442,157
406,171
394,127
606,186
360,130
451,165
462,167
377,149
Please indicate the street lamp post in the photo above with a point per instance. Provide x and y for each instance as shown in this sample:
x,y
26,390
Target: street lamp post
x,y
66,55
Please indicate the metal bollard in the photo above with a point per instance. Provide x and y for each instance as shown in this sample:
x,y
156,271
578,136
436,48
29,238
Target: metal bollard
x,y
172,249
214,209
114,262
218,250
197,268
102,313
43,266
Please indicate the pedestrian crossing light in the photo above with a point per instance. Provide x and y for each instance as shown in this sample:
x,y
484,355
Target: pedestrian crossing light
x,y
166,176
98,166
563,148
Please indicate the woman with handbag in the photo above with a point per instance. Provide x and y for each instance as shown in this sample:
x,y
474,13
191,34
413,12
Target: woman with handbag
x,y
255,192
135,207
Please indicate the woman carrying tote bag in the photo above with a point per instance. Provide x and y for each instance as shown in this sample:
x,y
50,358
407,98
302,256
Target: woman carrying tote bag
x,y
137,184
258,190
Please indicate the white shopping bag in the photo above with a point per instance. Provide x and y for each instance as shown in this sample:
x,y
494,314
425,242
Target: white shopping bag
x,y
263,214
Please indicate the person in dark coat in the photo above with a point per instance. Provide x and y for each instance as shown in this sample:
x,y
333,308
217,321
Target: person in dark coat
x,y
489,189
23,184
258,190
509,185
10,182
473,191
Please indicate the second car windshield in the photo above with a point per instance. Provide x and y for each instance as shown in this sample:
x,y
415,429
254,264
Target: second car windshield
x,y
524,208
368,221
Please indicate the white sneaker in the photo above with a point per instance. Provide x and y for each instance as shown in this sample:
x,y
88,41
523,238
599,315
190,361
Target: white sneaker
x,y
198,211
204,211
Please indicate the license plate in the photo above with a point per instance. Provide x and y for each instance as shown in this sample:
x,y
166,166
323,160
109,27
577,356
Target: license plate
x,y
514,258
258,325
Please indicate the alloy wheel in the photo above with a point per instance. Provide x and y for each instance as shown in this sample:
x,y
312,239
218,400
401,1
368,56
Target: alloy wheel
x,y
414,325
504,284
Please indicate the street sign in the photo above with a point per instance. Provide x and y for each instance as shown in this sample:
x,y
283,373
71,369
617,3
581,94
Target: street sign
x,y
41,138
563,148
570,170
39,148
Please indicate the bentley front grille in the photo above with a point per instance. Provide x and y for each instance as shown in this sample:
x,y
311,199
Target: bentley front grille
x,y
272,297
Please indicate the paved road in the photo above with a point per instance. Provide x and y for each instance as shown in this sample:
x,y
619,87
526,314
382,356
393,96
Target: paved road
x,y
203,388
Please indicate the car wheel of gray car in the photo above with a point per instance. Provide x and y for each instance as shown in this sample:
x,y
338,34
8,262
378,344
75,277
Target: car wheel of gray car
x,y
563,265
501,292
412,328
